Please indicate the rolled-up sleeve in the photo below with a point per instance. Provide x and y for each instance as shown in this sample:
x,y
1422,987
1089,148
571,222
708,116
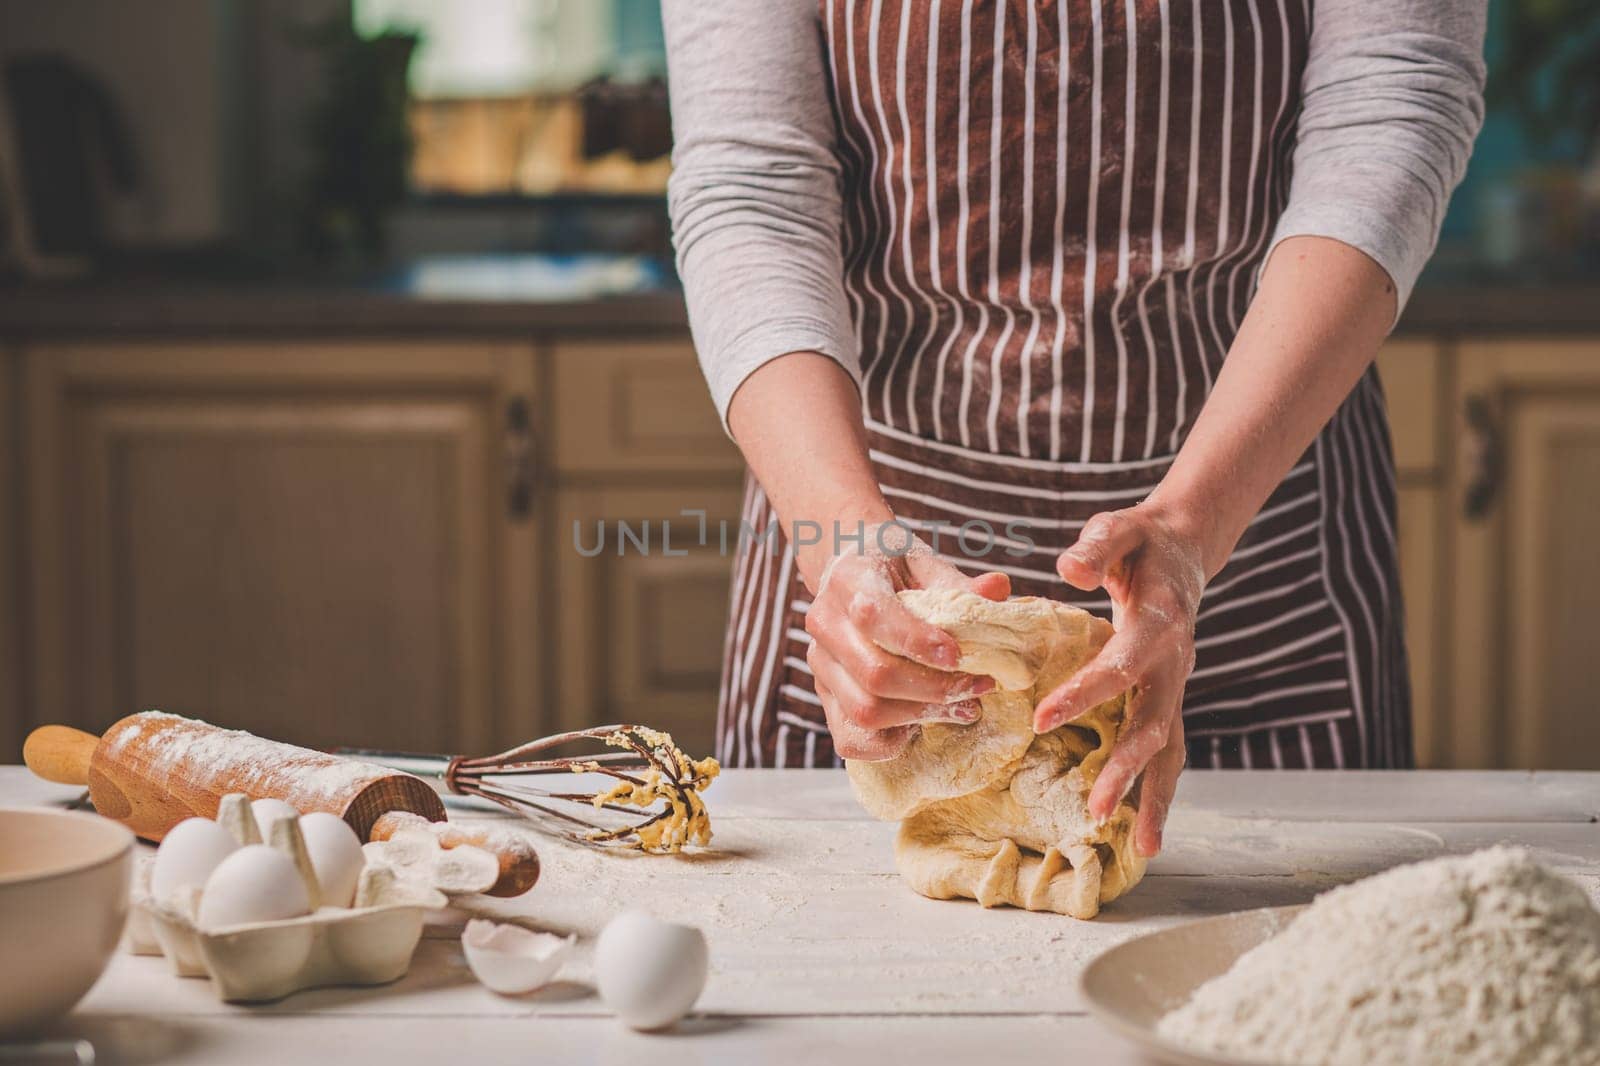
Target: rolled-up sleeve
x,y
1392,99
754,193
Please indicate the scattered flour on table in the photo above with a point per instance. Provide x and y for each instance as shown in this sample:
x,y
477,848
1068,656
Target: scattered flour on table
x,y
1480,959
809,915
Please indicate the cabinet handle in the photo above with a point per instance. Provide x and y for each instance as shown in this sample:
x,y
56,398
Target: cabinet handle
x,y
519,457
1483,458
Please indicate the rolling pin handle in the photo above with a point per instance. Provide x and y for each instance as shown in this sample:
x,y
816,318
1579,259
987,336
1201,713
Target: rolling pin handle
x,y
60,753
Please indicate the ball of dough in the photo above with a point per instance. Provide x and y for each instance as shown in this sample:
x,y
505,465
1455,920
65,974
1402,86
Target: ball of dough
x,y
993,811
1029,646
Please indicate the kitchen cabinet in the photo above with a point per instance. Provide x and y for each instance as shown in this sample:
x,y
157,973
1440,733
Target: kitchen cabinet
x,y
1420,584
1411,372
370,543
637,411
309,540
1525,588
1497,452
357,541
642,618
12,665
647,485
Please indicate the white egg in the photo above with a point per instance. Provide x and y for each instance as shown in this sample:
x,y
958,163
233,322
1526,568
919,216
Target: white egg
x,y
269,810
335,854
188,854
257,883
649,971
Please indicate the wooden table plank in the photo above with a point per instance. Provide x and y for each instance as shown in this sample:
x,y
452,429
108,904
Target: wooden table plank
x,y
1198,843
1203,842
836,945
815,939
1388,795
1286,795
1291,795
702,1041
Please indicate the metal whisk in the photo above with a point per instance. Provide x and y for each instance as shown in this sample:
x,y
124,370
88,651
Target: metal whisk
x,y
657,787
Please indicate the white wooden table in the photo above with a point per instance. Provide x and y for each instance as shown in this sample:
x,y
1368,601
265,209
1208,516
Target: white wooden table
x,y
818,949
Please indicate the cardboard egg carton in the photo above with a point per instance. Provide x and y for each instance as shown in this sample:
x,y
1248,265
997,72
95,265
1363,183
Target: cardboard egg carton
x,y
369,943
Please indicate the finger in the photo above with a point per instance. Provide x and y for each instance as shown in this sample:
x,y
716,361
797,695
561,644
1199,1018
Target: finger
x,y
865,601
891,676
934,573
1144,733
992,586
871,711
1155,795
1112,671
851,741
1102,544
894,629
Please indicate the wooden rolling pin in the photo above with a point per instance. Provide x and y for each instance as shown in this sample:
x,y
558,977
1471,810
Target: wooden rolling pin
x,y
152,770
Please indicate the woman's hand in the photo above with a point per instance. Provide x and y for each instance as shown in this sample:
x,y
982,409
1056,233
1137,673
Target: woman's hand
x,y
873,698
1154,573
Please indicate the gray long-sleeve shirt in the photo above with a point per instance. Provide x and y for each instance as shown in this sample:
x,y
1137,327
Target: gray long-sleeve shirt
x,y
1391,99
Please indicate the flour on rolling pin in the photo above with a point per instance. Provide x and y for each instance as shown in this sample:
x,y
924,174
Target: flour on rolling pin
x,y
262,767
153,769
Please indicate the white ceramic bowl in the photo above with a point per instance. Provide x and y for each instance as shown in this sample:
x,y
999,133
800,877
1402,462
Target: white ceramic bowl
x,y
63,900
1131,986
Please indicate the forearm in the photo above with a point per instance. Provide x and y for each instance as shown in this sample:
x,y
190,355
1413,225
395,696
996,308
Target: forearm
x,y
1312,330
797,419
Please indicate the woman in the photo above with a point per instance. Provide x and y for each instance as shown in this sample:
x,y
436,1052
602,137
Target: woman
x,y
1108,277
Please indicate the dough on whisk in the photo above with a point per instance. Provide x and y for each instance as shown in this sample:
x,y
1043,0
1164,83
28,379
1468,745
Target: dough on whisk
x,y
992,811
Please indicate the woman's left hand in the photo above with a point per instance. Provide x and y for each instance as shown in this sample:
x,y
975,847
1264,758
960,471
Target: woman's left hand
x,y
1154,574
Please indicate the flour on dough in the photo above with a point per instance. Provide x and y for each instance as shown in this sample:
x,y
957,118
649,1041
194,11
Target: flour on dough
x,y
993,811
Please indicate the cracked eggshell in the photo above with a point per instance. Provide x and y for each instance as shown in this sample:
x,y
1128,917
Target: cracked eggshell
x,y
511,960
649,971
417,855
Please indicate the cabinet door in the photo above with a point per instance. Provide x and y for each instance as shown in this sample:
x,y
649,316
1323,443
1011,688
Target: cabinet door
x,y
1411,372
1420,541
1527,581
310,541
12,693
631,407
640,630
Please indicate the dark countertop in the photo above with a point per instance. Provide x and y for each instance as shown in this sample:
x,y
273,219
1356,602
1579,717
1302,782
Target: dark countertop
x,y
165,308
1470,309
159,309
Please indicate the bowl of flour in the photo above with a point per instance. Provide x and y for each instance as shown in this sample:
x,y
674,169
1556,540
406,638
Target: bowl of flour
x,y
1488,958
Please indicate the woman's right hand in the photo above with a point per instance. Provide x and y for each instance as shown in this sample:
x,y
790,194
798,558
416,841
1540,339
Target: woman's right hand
x,y
880,670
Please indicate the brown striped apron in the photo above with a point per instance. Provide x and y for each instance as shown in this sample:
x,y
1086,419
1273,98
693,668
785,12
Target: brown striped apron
x,y
1055,214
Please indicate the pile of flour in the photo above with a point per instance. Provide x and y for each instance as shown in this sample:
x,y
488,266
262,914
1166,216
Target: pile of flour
x,y
1485,958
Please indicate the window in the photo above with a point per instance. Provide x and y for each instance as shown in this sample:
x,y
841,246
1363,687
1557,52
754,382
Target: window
x,y
533,97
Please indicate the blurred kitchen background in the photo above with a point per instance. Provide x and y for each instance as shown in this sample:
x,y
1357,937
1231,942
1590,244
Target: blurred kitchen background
x,y
324,322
